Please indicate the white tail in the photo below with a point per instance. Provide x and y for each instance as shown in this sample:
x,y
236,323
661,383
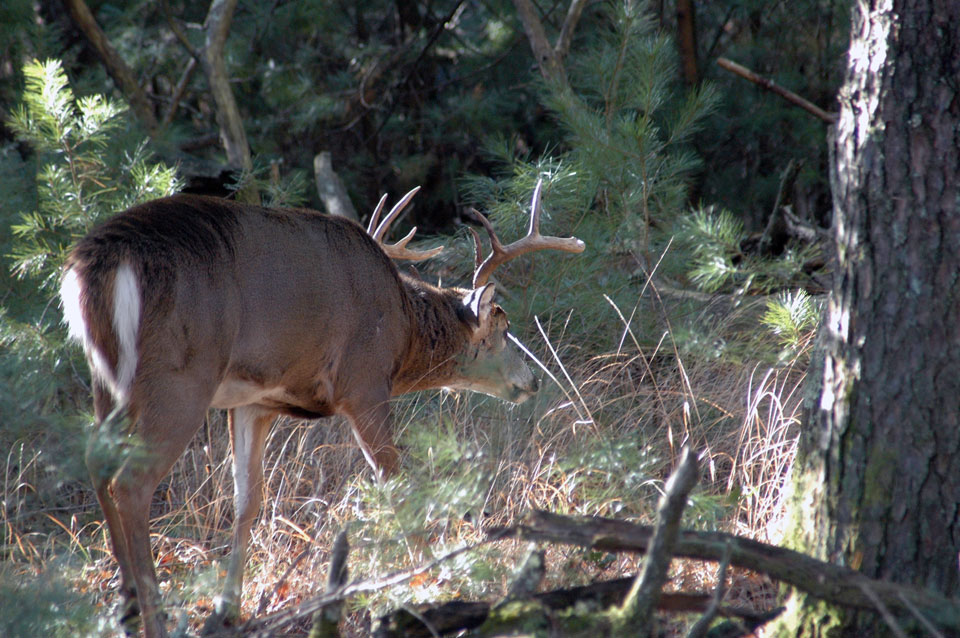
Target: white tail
x,y
118,376
188,303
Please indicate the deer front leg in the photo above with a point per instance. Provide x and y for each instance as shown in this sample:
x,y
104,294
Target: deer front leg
x,y
372,428
249,426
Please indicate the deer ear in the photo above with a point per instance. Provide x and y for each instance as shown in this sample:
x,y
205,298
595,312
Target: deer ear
x,y
480,303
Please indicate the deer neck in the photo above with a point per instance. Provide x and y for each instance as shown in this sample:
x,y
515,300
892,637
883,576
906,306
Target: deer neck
x,y
437,337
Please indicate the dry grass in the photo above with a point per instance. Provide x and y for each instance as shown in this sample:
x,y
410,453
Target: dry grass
x,y
599,441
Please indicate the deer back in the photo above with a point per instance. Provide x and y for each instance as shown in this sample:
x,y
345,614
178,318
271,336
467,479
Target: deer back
x,y
250,298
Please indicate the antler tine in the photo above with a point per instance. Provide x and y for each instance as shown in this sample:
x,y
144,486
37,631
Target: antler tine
x,y
398,250
376,215
394,212
478,248
534,228
533,241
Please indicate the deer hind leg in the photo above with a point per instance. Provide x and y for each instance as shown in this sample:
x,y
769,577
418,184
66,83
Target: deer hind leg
x,y
100,464
164,427
249,426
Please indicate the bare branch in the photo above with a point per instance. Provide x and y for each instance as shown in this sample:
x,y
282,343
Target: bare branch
x,y
638,608
178,32
882,609
549,61
528,577
569,24
327,619
115,65
271,623
232,133
770,85
330,187
920,617
832,583
428,621
700,627
687,41
178,93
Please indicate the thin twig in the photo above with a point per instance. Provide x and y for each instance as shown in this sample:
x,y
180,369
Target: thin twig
x,y
275,592
700,627
919,616
883,609
773,87
569,25
441,24
267,625
178,32
178,93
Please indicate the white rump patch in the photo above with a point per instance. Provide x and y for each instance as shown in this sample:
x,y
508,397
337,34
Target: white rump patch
x,y
126,324
70,291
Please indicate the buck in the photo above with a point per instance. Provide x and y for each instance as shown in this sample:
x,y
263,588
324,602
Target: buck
x,y
188,302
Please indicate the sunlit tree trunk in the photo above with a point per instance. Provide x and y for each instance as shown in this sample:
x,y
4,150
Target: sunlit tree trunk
x,y
876,483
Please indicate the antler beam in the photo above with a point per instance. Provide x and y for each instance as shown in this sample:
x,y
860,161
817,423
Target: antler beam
x,y
500,254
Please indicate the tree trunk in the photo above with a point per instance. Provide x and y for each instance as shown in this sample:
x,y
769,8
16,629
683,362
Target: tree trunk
x,y
876,483
232,134
687,41
549,57
548,61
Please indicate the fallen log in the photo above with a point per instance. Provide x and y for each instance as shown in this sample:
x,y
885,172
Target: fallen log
x,y
832,583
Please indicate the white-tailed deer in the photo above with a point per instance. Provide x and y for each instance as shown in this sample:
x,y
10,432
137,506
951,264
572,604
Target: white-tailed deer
x,y
189,302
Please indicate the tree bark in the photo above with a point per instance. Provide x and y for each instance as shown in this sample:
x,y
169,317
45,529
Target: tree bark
x,y
687,41
331,189
549,63
549,57
876,482
232,134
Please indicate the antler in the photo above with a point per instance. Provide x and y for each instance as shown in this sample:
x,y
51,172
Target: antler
x,y
398,250
533,241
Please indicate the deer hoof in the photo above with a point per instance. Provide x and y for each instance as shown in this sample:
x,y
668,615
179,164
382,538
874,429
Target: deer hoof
x,y
223,617
130,612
